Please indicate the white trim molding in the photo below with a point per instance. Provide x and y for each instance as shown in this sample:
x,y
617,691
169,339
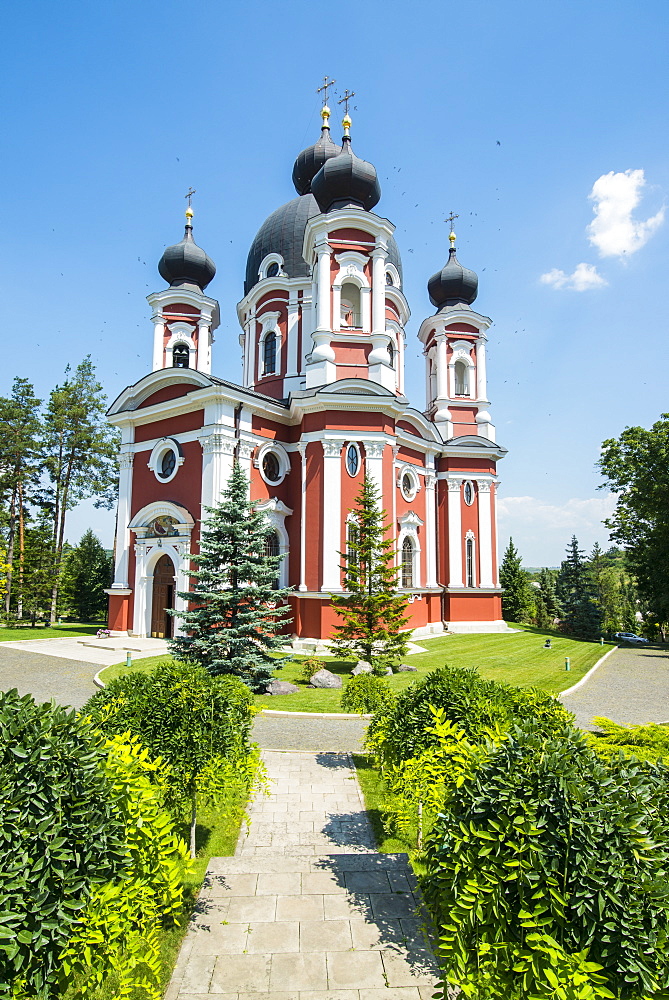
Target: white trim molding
x,y
282,457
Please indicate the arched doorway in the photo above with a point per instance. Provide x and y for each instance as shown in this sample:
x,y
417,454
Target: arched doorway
x,y
163,598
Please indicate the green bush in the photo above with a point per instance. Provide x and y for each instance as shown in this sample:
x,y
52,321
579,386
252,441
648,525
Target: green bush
x,y
476,705
366,693
546,873
61,836
649,742
199,725
310,666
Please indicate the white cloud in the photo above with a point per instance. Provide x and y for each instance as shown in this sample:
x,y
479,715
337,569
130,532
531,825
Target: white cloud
x,y
541,530
584,277
613,230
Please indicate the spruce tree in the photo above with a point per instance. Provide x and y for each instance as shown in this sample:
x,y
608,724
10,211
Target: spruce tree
x,y
235,610
372,610
86,572
581,614
514,582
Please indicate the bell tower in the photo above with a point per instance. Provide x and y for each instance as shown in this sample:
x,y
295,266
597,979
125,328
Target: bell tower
x,y
184,318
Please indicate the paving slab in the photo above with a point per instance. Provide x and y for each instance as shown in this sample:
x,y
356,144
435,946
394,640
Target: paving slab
x,y
320,915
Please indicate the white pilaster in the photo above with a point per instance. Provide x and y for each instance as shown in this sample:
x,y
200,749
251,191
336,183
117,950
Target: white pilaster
x,y
331,515
454,533
485,533
324,286
122,521
481,387
366,309
244,452
158,321
302,448
442,367
291,336
378,291
203,346
374,464
217,457
430,531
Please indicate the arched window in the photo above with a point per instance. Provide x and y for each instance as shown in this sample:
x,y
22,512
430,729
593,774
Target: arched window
x,y
269,354
350,305
469,549
273,270
180,356
391,354
407,564
272,548
351,539
461,379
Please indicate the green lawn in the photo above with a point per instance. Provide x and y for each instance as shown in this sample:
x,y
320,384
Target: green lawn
x,y
51,632
517,658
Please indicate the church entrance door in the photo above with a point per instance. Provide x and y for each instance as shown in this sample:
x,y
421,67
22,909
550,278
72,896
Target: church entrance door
x,y
163,598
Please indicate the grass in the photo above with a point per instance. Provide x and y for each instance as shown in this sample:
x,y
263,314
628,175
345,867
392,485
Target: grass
x,y
517,658
8,634
378,801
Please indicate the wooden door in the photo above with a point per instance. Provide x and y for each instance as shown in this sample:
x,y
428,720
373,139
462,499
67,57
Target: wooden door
x,y
163,597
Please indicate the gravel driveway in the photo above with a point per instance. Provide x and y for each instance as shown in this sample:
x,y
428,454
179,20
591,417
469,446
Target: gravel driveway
x,y
631,687
69,682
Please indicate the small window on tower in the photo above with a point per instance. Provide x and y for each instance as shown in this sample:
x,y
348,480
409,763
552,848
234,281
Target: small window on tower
x,y
461,379
407,564
269,354
389,278
273,270
270,467
470,562
352,460
469,494
180,356
391,355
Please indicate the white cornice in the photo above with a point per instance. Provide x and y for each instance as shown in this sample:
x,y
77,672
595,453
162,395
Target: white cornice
x,y
266,285
174,296
440,322
319,227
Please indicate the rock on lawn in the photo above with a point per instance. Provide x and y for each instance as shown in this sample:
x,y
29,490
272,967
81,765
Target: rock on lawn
x,y
325,679
281,687
361,667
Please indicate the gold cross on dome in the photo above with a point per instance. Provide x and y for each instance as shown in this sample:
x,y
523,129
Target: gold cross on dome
x,y
327,82
189,195
346,98
451,218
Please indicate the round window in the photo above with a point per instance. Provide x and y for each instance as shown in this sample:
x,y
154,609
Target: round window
x,y
352,460
270,467
408,488
389,278
273,270
469,494
167,464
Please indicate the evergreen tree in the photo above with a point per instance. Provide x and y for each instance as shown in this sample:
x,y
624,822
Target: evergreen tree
x,y
547,599
514,581
236,611
38,570
581,614
373,612
86,572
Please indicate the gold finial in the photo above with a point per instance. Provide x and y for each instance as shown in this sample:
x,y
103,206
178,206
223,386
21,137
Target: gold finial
x,y
189,211
325,115
451,236
346,125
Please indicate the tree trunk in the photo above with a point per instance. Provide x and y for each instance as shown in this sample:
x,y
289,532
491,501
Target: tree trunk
x,y
193,823
60,538
10,550
22,549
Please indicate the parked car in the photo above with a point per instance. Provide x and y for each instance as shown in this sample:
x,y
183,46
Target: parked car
x,y
630,637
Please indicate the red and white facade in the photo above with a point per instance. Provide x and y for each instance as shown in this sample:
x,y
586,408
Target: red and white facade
x,y
320,405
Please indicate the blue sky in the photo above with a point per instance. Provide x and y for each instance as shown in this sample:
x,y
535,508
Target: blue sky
x,y
510,114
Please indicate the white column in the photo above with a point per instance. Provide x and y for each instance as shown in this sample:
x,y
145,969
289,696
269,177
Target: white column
x,y
122,521
485,533
217,456
442,367
203,363
331,515
291,336
158,321
396,449
302,448
307,326
481,388
366,309
374,464
324,286
378,291
430,531
454,533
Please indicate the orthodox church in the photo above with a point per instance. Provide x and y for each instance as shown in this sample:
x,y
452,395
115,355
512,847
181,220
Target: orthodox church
x,y
320,404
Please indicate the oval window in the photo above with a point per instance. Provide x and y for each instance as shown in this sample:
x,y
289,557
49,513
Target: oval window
x,y
352,460
273,270
408,486
270,467
469,494
167,464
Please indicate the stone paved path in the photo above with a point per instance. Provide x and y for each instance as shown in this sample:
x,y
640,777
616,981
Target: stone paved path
x,y
307,909
631,687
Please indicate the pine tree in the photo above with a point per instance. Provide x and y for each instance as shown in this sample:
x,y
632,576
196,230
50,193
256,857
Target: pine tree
x,y
373,612
86,573
514,582
236,611
581,614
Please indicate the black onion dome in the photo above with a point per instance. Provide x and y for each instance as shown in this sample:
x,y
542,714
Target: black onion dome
x,y
310,161
346,180
186,263
453,284
283,233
